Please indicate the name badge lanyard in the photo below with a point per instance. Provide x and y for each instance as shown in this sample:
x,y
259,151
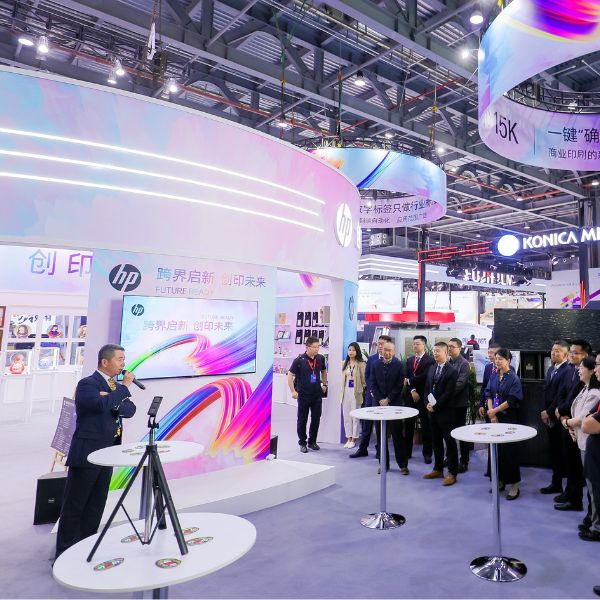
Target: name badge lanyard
x,y
497,401
351,380
312,365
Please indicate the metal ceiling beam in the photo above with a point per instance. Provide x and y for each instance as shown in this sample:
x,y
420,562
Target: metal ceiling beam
x,y
401,31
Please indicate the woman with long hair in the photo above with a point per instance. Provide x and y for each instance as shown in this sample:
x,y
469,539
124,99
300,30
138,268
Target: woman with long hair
x,y
585,402
352,392
504,395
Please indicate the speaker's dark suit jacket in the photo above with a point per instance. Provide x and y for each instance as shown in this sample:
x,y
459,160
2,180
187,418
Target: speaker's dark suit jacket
x,y
443,390
97,417
99,412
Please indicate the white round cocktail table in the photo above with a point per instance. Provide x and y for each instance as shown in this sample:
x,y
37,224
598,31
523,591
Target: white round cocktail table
x,y
129,455
123,565
383,519
497,567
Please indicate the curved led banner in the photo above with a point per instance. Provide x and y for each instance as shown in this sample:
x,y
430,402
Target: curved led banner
x,y
527,38
423,182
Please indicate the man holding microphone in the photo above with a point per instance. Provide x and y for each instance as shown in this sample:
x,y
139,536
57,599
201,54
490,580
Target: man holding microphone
x,y
100,403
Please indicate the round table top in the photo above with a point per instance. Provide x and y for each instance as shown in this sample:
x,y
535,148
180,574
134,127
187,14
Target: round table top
x,y
384,413
119,566
129,455
494,433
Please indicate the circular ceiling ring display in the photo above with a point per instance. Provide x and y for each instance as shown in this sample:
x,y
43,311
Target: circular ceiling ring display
x,y
417,186
520,119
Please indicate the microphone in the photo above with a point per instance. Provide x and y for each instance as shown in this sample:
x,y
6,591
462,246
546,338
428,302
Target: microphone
x,y
135,381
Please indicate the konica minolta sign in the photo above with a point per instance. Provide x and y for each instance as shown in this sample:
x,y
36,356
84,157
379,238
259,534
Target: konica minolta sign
x,y
509,245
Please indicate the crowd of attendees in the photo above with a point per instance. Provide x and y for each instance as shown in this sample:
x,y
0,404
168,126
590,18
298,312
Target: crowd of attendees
x,y
438,385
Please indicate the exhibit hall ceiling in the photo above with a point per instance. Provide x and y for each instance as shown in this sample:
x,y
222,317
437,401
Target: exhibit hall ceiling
x,y
397,74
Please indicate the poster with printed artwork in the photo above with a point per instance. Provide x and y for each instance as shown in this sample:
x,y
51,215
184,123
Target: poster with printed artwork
x,y
201,333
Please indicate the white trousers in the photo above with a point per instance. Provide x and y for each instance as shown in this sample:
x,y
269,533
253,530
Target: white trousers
x,y
351,425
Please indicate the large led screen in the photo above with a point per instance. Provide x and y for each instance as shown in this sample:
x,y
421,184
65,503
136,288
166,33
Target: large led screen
x,y
182,337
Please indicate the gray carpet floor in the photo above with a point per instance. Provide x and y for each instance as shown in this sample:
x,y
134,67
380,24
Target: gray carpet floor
x,y
315,547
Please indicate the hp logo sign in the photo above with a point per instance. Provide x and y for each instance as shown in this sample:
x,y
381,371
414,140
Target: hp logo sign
x,y
343,225
137,310
125,278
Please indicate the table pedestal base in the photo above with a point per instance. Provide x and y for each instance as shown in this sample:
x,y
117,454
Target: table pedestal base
x,y
498,568
383,520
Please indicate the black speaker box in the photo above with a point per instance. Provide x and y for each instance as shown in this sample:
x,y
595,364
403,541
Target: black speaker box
x,y
49,497
273,446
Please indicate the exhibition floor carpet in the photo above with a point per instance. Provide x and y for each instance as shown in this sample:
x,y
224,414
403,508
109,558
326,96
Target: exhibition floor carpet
x,y
315,547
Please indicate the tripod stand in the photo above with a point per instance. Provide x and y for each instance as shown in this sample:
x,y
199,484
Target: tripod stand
x,y
156,496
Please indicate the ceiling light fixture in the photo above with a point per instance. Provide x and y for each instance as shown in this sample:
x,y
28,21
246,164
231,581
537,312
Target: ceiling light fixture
x,y
25,41
440,150
112,77
172,86
43,47
476,17
119,70
595,182
360,80
526,226
573,105
389,135
465,53
459,209
282,123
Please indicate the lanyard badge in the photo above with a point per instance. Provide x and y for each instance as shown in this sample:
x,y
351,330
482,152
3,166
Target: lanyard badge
x,y
312,365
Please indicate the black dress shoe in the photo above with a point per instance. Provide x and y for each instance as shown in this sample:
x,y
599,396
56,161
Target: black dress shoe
x,y
589,536
427,460
567,506
303,449
314,446
597,590
359,453
463,467
551,489
560,498
583,527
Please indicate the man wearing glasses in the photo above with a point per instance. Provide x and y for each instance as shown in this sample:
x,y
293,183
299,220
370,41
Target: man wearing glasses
x,y
307,380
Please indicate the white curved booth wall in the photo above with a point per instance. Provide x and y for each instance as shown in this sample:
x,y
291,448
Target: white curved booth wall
x,y
94,168
91,167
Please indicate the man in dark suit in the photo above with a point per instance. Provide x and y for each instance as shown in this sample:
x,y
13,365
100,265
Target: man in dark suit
x,y
387,381
417,367
439,386
461,396
557,383
100,404
572,498
367,426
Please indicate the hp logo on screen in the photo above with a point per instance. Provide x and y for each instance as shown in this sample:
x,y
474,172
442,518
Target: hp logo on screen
x,y
343,225
137,310
125,278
